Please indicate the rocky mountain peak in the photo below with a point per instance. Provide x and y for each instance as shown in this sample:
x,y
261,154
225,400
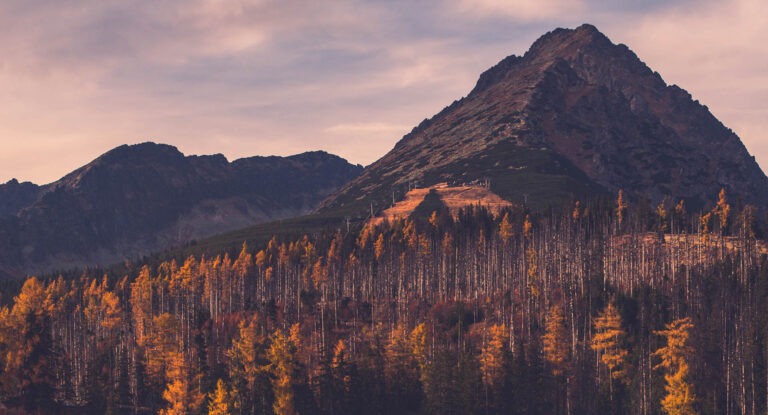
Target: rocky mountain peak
x,y
142,153
575,115
568,42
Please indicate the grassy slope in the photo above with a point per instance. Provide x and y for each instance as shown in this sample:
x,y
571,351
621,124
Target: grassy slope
x,y
546,178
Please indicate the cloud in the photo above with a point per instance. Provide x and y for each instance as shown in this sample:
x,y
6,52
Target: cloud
x,y
246,77
520,10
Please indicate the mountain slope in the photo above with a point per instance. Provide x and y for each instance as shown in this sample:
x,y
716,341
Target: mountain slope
x,y
574,117
147,197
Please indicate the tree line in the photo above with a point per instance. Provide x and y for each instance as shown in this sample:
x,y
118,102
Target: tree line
x,y
600,308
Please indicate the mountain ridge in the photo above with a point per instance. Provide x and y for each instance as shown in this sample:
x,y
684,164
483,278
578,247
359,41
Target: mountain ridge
x,y
137,199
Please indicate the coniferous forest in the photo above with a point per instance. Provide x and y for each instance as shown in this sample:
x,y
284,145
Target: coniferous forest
x,y
608,307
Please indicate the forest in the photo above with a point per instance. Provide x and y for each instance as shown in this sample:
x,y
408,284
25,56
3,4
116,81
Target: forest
x,y
608,307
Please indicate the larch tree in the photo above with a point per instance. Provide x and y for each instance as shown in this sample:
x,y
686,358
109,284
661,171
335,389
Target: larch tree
x,y
722,210
282,358
493,361
556,353
555,341
162,347
220,400
247,369
418,340
402,376
661,216
680,398
621,207
705,226
608,342
182,394
506,229
27,338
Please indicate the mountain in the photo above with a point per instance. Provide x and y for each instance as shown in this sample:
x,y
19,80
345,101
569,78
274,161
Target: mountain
x,y
574,117
142,198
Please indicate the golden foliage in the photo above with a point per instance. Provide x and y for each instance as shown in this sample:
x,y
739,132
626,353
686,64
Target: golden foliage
x,y
621,207
379,247
141,305
162,347
533,271
492,356
608,341
680,398
339,355
527,228
576,215
282,359
22,329
220,400
244,353
434,220
556,340
661,212
506,230
722,210
418,340
183,397
704,221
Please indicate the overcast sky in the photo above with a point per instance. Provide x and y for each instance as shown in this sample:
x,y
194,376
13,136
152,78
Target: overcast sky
x,y
248,77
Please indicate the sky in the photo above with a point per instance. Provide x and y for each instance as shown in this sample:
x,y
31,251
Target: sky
x,y
351,77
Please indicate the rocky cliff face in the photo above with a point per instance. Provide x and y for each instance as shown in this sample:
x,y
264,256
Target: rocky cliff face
x,y
575,116
15,195
137,199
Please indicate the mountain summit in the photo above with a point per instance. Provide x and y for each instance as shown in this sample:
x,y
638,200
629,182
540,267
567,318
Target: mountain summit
x,y
575,116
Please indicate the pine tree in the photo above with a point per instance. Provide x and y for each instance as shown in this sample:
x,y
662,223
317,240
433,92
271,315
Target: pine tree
x,y
680,398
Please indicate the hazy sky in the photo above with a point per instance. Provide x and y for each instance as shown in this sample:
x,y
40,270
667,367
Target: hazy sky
x,y
251,77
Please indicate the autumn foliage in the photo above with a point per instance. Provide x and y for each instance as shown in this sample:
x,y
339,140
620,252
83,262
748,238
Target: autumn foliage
x,y
469,314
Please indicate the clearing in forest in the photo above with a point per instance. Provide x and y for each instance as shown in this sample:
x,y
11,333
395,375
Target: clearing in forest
x,y
454,198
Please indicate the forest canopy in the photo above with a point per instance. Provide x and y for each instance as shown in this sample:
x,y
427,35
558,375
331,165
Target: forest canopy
x,y
609,308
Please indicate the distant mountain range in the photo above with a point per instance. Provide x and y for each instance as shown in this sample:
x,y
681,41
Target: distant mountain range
x,y
142,198
574,117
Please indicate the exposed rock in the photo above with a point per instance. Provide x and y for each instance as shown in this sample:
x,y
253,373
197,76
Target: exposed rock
x,y
14,196
575,116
